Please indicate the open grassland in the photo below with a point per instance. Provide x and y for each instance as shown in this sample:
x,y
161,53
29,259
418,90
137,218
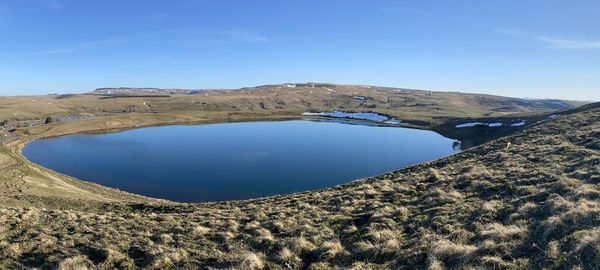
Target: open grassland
x,y
535,204
420,107
30,117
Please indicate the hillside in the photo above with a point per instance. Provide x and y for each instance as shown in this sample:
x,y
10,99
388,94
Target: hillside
x,y
534,204
128,91
421,108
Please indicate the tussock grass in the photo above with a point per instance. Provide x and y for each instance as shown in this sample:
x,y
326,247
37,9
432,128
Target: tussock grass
x,y
588,240
501,232
533,206
444,249
330,249
248,260
200,230
75,263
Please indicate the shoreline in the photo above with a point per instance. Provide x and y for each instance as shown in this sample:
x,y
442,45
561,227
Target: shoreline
x,y
16,147
30,153
119,122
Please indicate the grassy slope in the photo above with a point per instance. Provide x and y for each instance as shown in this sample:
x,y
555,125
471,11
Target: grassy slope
x,y
277,99
533,205
27,184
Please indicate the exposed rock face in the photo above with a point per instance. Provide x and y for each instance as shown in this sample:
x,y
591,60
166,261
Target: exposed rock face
x,y
11,124
126,91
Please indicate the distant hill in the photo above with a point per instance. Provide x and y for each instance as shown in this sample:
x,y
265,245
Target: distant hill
x,y
416,108
128,91
370,96
418,102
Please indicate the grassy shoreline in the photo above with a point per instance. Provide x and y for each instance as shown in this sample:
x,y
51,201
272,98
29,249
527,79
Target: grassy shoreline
x,y
532,205
17,146
101,125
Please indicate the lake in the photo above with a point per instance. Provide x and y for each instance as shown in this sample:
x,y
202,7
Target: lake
x,y
230,161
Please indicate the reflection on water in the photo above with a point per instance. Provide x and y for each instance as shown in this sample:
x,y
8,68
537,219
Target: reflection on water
x,y
238,160
375,117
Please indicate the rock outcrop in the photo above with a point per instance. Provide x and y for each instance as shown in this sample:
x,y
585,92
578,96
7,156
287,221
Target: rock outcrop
x,y
127,91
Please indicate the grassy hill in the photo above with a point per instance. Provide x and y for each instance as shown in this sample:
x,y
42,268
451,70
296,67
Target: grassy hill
x,y
416,106
534,204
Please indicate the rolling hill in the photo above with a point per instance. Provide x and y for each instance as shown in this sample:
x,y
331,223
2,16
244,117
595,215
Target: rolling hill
x,y
530,200
416,108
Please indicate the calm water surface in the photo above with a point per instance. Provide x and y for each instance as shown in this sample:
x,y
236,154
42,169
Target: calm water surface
x,y
237,160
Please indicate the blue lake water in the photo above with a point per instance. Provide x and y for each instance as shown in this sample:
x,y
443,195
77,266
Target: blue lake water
x,y
229,161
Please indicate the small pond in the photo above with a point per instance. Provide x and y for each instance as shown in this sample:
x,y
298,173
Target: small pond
x,y
230,161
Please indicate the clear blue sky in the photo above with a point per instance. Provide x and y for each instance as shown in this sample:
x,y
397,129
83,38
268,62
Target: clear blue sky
x,y
533,48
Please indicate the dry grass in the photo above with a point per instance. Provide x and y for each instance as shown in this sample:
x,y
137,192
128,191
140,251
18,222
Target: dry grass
x,y
533,206
75,263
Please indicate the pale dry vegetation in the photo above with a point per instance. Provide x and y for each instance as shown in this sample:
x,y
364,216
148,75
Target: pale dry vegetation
x,y
535,205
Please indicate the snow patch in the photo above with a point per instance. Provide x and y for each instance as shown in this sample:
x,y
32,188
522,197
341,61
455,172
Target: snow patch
x,y
393,122
518,124
474,124
469,125
358,116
